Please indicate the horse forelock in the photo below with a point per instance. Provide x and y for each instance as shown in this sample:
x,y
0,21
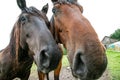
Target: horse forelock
x,y
34,11
69,2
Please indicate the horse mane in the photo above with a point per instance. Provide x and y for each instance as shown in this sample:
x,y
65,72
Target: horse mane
x,y
69,2
16,50
13,41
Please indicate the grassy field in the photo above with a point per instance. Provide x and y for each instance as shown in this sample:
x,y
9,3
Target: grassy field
x,y
114,64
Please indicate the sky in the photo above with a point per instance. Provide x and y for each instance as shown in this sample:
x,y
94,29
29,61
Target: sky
x,y
104,15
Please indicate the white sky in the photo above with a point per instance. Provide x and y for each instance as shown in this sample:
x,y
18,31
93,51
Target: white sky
x,y
104,16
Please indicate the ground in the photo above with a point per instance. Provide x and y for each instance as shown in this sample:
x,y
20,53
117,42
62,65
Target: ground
x,y
66,75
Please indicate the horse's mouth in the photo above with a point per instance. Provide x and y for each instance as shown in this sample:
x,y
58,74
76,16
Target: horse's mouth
x,y
44,70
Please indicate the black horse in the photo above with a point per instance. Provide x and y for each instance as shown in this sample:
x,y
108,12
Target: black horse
x,y
30,41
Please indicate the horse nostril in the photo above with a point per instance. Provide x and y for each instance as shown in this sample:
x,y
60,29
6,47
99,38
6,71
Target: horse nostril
x,y
44,59
79,67
44,53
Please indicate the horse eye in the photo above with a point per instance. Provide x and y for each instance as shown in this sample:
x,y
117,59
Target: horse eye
x,y
60,30
23,19
27,35
54,10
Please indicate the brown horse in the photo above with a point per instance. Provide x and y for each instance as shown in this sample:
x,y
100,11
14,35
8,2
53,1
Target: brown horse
x,y
30,40
86,54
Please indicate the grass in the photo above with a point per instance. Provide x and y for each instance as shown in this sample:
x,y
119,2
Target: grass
x,y
34,67
65,62
114,64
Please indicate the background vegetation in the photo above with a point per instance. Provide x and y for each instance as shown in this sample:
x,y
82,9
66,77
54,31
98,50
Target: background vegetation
x,y
114,64
116,34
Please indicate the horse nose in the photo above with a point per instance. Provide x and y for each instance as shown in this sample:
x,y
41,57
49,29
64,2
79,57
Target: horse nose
x,y
49,58
44,58
79,67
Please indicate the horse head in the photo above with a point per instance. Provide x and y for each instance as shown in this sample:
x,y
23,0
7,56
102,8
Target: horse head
x,y
86,54
32,36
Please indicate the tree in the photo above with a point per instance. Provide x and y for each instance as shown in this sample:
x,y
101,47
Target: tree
x,y
116,34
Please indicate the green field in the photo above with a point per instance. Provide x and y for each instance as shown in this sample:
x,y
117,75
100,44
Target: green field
x,y
114,64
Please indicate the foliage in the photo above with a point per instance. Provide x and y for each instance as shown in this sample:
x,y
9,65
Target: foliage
x,y
114,64
116,34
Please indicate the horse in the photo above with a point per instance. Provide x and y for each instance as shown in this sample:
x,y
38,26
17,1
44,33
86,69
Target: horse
x,y
30,41
86,54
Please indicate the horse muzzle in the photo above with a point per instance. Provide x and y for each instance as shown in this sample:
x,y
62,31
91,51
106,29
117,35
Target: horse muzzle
x,y
48,59
88,68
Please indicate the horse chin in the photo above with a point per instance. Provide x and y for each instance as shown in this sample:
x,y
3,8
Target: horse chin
x,y
43,70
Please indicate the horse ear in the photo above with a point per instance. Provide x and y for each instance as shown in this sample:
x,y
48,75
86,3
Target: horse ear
x,y
45,8
21,4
